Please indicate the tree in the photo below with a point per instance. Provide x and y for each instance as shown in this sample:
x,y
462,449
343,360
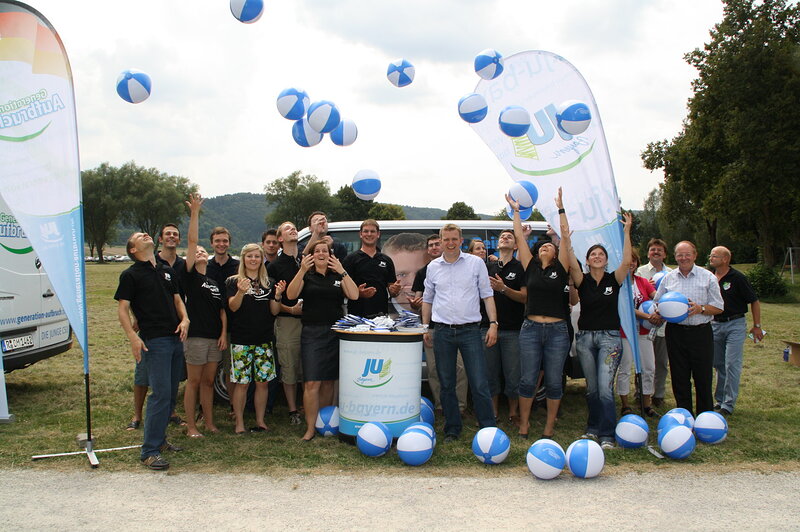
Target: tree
x,y
386,211
460,211
296,196
347,206
101,206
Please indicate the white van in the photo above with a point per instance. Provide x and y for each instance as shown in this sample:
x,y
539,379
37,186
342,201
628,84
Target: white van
x,y
33,325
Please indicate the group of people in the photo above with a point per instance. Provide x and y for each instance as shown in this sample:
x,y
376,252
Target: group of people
x,y
498,324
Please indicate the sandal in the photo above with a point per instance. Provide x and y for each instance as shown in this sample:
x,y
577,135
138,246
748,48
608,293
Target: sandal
x,y
176,420
625,411
649,411
133,425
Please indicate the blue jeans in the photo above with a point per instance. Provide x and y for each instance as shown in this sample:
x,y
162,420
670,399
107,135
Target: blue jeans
x,y
502,360
728,353
600,353
542,345
447,342
164,358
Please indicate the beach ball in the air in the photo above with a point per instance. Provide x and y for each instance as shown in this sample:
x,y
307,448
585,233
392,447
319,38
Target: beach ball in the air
x,y
366,184
472,108
524,214
585,458
426,413
328,421
573,117
673,307
631,431
304,134
514,121
414,447
491,445
323,116
133,86
374,439
545,459
489,64
525,193
293,103
345,133
247,11
648,307
677,441
710,427
400,72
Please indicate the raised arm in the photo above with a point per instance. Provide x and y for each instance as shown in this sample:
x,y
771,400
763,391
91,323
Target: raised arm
x,y
194,204
296,286
624,266
523,251
566,255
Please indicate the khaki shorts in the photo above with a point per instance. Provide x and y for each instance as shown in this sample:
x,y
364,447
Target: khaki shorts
x,y
287,342
200,351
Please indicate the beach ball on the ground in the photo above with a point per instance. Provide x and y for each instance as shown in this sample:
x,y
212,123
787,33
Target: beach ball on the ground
x,y
426,412
489,64
524,214
514,121
491,445
573,117
682,416
247,11
711,427
328,421
414,447
293,103
345,133
545,459
677,441
374,439
400,72
304,134
366,184
657,277
585,458
525,193
648,307
323,116
427,428
133,86
631,431
673,307
472,108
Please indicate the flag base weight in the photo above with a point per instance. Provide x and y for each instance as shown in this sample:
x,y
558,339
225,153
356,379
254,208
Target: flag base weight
x,y
88,450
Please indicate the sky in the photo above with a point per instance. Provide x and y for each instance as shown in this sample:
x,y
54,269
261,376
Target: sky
x,y
212,116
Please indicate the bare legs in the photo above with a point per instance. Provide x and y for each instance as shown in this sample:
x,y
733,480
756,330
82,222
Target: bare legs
x,y
316,394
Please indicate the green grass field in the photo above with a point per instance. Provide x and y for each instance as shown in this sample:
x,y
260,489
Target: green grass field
x,y
47,400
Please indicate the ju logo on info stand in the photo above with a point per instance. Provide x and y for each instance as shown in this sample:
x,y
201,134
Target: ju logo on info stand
x,y
377,372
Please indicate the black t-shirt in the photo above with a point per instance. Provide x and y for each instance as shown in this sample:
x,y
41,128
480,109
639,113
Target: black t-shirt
x,y
599,311
179,267
253,323
150,291
419,280
322,298
284,268
376,271
203,303
546,290
219,273
737,293
509,313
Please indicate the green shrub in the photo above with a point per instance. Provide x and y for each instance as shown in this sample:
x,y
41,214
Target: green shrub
x,y
766,281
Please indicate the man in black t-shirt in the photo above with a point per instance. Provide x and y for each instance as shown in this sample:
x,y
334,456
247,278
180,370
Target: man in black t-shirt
x,y
170,239
148,290
318,224
373,272
221,265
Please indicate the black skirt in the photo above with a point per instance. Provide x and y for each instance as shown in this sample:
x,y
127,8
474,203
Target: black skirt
x,y
319,352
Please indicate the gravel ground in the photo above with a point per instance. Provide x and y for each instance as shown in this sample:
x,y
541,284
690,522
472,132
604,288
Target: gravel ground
x,y
97,500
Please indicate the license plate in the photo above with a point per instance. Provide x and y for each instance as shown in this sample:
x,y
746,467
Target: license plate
x,y
11,344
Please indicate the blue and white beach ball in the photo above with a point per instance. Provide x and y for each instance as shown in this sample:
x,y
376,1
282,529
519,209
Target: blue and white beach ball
x,y
134,86
677,441
525,193
545,459
366,184
328,421
585,458
656,279
323,116
491,445
648,307
345,133
400,72
414,447
293,103
524,214
514,121
472,108
631,431
673,307
573,117
247,11
711,427
489,64
427,428
426,413
304,134
680,416
374,439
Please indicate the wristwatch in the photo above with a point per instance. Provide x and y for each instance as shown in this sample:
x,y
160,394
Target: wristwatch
x,y
757,325
702,309
493,322
344,274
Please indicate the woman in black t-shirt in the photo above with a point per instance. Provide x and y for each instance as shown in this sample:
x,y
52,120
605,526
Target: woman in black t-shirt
x,y
253,306
321,283
598,341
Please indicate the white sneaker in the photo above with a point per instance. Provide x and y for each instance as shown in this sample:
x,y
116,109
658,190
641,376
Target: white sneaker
x,y
607,444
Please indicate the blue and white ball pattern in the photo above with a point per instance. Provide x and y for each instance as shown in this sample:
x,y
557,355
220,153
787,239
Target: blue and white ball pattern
x,y
400,72
323,116
711,427
366,184
514,121
293,103
414,447
427,428
472,108
426,412
648,307
677,441
345,133
525,193
304,135
247,11
573,117
327,423
676,416
489,64
374,439
673,307
656,279
134,86
524,214
545,459
585,458
491,445
631,431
